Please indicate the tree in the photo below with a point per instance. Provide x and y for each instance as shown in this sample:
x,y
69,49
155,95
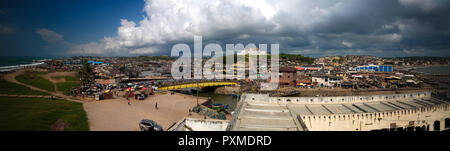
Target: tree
x,y
341,60
86,74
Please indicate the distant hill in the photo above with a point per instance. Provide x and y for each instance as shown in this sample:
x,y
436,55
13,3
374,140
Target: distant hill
x,y
289,57
296,58
149,58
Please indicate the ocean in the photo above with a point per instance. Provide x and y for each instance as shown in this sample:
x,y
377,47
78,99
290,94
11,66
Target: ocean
x,y
439,70
443,81
18,60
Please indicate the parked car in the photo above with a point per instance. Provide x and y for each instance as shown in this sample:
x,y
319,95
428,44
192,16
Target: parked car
x,y
149,125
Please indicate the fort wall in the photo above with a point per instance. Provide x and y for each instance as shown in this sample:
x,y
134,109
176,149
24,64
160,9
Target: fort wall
x,y
332,100
426,118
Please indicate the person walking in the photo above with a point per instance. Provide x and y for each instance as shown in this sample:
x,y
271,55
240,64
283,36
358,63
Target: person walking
x,y
156,105
129,101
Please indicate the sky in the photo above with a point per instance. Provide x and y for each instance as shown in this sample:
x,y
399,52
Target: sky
x,y
385,28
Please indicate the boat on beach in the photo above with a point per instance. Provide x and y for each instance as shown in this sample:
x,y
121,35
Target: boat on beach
x,y
219,107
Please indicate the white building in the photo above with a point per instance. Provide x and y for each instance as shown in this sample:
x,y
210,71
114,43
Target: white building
x,y
327,81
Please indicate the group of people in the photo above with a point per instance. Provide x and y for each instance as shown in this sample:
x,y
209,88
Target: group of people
x,y
129,103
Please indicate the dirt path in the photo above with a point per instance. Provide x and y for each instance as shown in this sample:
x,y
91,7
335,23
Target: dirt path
x,y
28,96
50,77
11,78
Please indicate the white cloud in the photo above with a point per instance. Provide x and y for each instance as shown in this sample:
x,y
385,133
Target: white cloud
x,y
179,20
58,46
49,35
396,37
145,50
167,21
410,52
347,44
387,27
407,51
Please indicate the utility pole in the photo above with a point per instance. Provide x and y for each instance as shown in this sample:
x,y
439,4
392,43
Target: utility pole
x,y
198,88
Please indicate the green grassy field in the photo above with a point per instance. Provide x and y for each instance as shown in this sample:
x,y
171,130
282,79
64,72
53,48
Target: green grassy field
x,y
38,114
33,78
68,78
17,89
65,87
71,82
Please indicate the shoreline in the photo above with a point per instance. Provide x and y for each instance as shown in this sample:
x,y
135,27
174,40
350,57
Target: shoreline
x,y
416,70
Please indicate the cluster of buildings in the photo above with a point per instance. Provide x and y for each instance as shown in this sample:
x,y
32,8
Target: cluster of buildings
x,y
419,61
346,72
358,72
413,111
123,73
115,67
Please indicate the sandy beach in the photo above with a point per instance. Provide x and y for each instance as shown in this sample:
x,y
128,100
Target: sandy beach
x,y
117,115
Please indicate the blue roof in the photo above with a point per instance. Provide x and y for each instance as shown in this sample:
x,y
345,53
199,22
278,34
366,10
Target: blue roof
x,y
96,62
